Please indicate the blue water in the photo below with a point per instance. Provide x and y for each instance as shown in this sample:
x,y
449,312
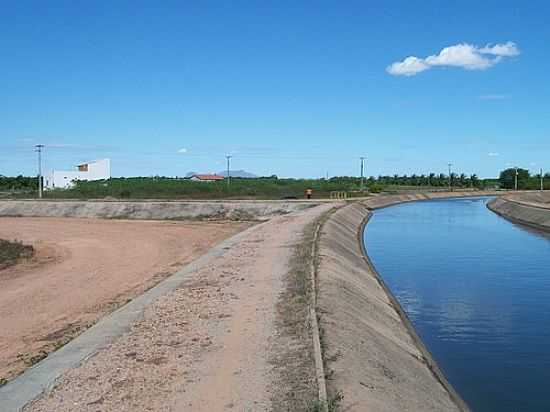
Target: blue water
x,y
477,289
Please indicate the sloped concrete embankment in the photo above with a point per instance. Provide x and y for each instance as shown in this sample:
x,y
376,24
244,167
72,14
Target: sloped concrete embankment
x,y
389,200
372,353
533,198
515,209
154,210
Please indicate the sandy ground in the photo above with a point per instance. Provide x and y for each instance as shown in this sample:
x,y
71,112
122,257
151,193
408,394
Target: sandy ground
x,y
204,347
84,268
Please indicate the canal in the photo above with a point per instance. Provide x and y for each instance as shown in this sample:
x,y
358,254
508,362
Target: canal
x,y
477,289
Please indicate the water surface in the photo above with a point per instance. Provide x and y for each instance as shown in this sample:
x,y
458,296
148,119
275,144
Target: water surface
x,y
477,289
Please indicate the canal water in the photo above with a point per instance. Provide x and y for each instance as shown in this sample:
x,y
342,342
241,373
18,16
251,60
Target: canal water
x,y
477,289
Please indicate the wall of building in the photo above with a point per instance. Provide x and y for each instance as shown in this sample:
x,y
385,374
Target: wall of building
x,y
59,179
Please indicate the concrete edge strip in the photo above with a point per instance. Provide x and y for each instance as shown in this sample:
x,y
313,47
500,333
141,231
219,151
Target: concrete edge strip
x,y
492,206
28,386
428,358
317,350
532,205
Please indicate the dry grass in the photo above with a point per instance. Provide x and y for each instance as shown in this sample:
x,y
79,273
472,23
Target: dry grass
x,y
12,252
297,389
293,359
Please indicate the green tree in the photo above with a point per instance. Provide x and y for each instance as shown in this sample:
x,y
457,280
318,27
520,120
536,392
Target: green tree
x,y
507,178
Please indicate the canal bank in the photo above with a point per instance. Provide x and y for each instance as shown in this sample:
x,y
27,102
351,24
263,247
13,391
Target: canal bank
x,y
476,289
530,209
373,356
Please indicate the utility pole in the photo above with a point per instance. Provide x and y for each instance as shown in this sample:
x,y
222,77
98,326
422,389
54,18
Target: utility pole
x,y
450,177
38,149
228,157
362,170
516,179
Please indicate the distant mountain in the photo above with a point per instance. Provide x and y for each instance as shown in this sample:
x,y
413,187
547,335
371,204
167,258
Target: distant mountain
x,y
237,173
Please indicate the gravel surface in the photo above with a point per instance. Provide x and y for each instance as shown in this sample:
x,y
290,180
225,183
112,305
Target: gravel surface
x,y
83,269
205,346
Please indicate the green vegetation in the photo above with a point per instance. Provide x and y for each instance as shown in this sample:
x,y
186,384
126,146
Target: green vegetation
x,y
18,184
526,181
264,187
173,188
331,405
11,252
240,188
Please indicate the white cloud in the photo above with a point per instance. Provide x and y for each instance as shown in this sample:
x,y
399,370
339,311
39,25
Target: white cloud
x,y
508,49
408,67
493,154
493,96
182,150
466,56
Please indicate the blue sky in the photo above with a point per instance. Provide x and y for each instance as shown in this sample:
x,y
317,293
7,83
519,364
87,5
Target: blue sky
x,y
289,88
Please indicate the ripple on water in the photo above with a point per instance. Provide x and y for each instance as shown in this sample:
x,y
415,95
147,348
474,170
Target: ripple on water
x,y
477,289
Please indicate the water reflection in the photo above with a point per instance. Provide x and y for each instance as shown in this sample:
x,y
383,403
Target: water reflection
x,y
477,288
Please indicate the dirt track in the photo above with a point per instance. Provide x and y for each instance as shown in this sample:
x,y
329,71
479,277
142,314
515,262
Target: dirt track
x,y
208,345
84,268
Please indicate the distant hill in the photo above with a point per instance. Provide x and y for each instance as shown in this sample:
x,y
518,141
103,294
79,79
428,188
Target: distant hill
x,y
238,173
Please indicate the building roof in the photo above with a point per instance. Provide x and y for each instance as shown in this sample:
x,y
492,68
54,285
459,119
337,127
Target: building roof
x,y
207,177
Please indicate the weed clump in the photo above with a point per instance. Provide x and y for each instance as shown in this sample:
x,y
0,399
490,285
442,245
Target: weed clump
x,y
11,252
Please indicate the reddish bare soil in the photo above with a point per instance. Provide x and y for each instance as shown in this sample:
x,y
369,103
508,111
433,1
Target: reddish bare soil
x,y
208,346
83,269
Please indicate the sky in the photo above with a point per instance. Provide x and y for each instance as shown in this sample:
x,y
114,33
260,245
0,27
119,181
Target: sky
x,y
293,88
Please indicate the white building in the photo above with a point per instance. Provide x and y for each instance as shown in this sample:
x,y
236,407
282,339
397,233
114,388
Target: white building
x,y
95,170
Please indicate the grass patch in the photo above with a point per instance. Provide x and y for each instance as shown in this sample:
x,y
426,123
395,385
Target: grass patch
x,y
293,360
11,252
331,405
31,359
297,388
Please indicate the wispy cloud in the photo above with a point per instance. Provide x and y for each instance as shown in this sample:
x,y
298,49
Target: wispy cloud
x,y
463,55
493,154
183,150
493,96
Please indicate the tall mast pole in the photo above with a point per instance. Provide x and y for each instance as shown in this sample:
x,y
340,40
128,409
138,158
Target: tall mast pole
x,y
228,157
450,177
362,172
38,148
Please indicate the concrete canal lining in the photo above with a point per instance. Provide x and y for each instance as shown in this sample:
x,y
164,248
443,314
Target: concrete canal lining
x,y
373,355
528,209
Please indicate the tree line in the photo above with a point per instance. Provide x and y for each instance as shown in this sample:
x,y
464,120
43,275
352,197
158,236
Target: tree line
x,y
525,181
18,183
269,187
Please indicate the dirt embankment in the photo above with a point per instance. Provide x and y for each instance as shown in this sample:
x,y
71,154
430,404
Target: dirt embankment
x,y
83,269
531,209
153,210
372,353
